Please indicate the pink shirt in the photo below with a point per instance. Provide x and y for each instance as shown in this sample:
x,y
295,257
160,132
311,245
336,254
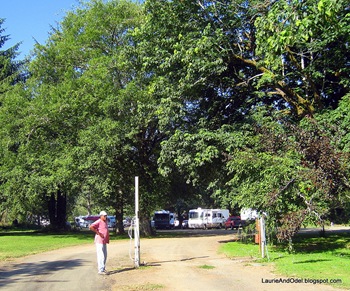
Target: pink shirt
x,y
102,228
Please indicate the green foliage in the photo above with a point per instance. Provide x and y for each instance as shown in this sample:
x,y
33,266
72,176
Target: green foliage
x,y
221,71
305,44
214,59
10,110
292,173
76,133
336,122
212,100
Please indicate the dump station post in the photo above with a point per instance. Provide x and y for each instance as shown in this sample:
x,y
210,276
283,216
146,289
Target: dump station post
x,y
137,224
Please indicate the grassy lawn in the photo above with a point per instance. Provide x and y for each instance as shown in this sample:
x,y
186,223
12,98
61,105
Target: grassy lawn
x,y
319,258
15,244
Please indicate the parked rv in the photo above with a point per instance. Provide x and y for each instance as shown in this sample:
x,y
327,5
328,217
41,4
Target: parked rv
x,y
249,214
164,219
207,218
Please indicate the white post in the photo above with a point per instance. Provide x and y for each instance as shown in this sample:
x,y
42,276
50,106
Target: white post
x,y
137,224
262,236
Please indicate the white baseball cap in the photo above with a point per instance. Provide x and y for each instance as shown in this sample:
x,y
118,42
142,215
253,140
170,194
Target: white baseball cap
x,y
103,213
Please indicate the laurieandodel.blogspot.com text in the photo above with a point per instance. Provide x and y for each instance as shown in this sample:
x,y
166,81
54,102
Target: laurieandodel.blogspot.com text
x,y
300,281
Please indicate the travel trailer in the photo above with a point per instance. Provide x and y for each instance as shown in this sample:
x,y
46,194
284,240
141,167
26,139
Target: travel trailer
x,y
207,218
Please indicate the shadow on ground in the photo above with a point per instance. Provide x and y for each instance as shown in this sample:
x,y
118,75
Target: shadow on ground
x,y
28,271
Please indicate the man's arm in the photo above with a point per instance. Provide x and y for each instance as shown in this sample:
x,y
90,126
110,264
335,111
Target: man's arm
x,y
95,230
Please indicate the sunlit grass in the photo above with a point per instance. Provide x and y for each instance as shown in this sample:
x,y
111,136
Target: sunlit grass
x,y
325,258
15,244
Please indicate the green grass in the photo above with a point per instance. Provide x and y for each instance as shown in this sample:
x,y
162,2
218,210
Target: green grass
x,y
206,267
15,244
324,258
238,249
146,286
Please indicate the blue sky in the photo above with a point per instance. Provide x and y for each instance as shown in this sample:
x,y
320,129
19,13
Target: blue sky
x,y
26,20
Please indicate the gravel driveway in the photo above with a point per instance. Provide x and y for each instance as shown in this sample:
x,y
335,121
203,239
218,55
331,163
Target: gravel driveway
x,y
167,264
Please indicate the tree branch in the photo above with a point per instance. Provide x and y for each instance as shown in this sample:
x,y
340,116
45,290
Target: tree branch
x,y
300,105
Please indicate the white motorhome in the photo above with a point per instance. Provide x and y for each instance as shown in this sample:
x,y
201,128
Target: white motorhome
x,y
249,214
207,218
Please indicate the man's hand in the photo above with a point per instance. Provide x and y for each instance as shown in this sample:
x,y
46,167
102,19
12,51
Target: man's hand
x,y
96,231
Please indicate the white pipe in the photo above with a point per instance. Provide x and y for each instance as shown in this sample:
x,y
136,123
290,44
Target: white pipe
x,y
137,225
262,236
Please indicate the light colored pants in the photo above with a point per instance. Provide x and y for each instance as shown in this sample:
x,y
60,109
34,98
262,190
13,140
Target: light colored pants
x,y
101,250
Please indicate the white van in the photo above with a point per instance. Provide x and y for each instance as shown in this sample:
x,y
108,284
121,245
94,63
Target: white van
x,y
207,218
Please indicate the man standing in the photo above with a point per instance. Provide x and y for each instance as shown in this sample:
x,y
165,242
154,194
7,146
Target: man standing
x,y
100,227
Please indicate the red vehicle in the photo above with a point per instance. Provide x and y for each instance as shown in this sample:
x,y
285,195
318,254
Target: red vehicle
x,y
234,222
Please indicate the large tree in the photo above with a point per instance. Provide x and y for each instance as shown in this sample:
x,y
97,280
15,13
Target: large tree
x,y
213,64
75,137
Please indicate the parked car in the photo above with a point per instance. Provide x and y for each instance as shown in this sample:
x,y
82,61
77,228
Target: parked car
x,y
184,224
234,222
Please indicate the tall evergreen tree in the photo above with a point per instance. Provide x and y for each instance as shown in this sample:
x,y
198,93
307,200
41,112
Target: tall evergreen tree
x,y
10,68
11,72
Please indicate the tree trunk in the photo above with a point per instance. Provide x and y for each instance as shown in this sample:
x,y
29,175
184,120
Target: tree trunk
x,y
52,209
119,212
145,228
61,210
57,206
119,221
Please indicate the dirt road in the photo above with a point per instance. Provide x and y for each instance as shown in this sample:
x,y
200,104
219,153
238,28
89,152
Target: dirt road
x,y
65,269
170,264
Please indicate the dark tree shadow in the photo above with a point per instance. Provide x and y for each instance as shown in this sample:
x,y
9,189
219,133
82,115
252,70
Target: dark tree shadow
x,y
26,271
